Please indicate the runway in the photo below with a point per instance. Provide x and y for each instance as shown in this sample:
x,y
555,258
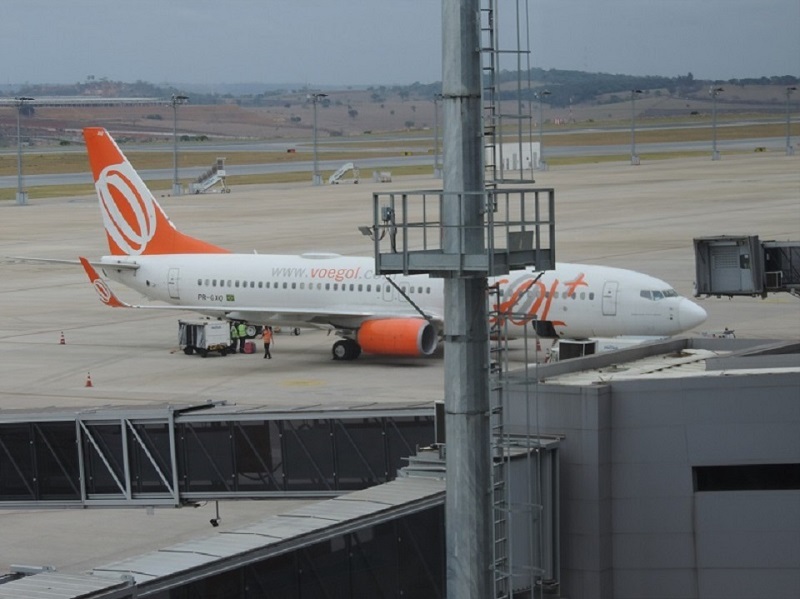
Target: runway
x,y
643,218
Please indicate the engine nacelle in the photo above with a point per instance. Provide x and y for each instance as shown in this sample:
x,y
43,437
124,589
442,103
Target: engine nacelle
x,y
398,337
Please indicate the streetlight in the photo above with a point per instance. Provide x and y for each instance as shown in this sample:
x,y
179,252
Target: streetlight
x,y
315,98
634,157
437,169
22,196
789,148
176,100
714,92
540,95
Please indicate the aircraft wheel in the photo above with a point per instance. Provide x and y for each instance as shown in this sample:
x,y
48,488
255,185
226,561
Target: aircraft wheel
x,y
223,352
340,350
203,352
251,330
346,349
296,331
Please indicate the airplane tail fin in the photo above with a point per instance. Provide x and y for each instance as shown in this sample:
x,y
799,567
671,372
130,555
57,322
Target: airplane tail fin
x,y
134,221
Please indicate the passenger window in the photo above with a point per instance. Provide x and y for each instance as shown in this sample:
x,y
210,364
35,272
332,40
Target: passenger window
x,y
260,284
199,282
591,295
360,287
294,285
285,285
583,295
214,283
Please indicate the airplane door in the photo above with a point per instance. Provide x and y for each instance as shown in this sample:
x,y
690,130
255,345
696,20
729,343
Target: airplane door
x,y
610,298
172,283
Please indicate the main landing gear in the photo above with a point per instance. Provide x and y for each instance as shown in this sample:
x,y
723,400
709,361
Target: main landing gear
x,y
346,349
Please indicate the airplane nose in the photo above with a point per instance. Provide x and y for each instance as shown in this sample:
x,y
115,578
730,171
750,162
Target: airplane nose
x,y
690,314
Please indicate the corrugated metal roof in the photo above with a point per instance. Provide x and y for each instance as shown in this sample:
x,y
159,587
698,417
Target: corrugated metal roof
x,y
312,523
212,411
688,362
55,585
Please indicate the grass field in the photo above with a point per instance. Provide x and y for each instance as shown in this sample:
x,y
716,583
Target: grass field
x,y
71,161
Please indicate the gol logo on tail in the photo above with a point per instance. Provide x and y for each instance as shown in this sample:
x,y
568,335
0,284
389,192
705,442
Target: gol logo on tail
x,y
129,210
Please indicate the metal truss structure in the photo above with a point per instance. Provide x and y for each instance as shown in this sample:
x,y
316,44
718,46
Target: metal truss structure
x,y
173,456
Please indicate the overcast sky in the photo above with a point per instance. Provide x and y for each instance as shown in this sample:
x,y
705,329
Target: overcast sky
x,y
354,42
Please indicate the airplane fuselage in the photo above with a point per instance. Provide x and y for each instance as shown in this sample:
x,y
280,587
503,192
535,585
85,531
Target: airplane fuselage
x,y
331,291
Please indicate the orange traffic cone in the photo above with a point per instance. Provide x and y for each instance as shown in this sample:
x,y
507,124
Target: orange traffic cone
x,y
88,380
62,341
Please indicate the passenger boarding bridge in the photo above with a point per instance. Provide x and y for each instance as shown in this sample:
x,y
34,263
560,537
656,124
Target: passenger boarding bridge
x,y
165,455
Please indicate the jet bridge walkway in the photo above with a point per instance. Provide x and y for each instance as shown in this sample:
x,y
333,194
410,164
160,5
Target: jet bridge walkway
x,y
182,455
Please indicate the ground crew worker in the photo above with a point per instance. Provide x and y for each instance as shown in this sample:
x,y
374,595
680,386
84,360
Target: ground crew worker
x,y
242,330
234,337
266,336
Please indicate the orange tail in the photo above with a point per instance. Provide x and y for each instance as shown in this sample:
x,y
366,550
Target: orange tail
x,y
104,291
135,223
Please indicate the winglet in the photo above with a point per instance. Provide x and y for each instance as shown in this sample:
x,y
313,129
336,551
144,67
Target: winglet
x,y
104,291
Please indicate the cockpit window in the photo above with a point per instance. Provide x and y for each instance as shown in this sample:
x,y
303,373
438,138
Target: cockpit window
x,y
656,294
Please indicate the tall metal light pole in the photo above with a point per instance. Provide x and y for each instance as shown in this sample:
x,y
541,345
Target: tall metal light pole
x,y
22,195
714,92
540,95
789,148
437,168
634,157
176,100
315,98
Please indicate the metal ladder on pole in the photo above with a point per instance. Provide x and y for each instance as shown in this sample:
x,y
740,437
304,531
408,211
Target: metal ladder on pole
x,y
506,162
498,366
492,120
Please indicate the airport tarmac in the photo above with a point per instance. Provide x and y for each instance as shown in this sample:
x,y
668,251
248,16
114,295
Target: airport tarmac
x,y
639,217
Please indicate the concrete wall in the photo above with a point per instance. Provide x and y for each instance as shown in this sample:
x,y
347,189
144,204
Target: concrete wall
x,y
632,524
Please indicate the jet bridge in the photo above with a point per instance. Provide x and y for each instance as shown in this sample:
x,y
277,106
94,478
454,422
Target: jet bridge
x,y
743,265
168,455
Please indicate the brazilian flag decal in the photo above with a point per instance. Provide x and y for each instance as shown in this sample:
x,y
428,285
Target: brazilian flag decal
x,y
230,297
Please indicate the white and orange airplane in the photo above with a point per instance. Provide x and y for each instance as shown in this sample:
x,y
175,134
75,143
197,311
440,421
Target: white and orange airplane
x,y
345,294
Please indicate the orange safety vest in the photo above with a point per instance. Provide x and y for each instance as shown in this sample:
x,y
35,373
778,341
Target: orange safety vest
x,y
266,335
